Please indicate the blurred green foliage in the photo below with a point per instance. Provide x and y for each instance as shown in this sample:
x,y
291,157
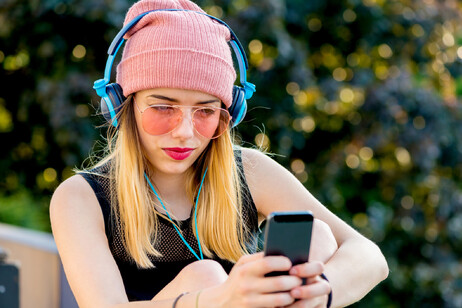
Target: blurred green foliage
x,y
360,97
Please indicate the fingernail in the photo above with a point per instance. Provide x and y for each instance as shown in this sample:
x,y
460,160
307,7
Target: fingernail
x,y
293,271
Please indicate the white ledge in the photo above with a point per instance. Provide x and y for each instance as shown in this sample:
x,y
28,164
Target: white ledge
x,y
36,239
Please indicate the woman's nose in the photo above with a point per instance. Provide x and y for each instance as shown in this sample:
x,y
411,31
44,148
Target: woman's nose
x,y
185,128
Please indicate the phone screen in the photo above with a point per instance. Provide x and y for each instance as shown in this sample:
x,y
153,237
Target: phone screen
x,y
289,234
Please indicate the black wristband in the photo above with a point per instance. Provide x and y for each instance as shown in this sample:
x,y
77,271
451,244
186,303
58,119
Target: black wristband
x,y
329,297
178,298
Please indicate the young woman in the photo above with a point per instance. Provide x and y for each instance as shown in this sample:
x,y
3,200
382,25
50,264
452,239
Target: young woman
x,y
169,217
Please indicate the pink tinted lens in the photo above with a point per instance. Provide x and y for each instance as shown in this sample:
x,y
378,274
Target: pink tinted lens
x,y
210,122
159,120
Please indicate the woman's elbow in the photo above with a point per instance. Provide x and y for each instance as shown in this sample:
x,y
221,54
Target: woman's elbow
x,y
381,263
385,269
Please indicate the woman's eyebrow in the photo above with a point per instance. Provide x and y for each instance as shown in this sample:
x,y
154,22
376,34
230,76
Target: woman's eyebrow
x,y
165,98
209,101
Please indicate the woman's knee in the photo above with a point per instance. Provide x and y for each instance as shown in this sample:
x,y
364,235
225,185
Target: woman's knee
x,y
193,277
323,243
204,272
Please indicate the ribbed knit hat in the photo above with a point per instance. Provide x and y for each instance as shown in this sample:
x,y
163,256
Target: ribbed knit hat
x,y
176,49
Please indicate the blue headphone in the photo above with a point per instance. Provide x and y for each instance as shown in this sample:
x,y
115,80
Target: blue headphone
x,y
112,96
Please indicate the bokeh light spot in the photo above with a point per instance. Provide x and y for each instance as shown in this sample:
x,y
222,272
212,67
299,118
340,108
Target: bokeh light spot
x,y
301,98
407,223
293,88
369,2
38,140
402,156
79,51
16,62
302,176
419,122
349,15
352,161
50,175
297,166
385,51
417,30
308,124
67,173
407,202
353,59
366,153
459,52
370,165
82,111
339,74
255,46
347,95
448,39
360,220
215,10
262,141
6,120
381,72
314,24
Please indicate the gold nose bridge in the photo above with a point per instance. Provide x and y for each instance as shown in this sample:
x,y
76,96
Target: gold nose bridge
x,y
191,113
183,118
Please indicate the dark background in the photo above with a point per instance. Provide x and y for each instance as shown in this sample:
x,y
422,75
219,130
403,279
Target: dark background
x,y
360,99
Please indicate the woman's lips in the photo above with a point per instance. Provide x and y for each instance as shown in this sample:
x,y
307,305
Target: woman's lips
x,y
178,153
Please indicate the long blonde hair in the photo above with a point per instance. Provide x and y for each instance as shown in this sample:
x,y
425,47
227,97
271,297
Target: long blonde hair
x,y
222,230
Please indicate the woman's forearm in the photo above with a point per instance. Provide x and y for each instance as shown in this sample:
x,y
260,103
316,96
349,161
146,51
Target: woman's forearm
x,y
355,269
188,300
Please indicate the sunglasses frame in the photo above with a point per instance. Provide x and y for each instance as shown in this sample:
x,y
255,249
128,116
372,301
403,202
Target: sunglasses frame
x,y
181,107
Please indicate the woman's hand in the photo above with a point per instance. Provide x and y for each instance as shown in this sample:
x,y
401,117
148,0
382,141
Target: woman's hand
x,y
316,290
247,285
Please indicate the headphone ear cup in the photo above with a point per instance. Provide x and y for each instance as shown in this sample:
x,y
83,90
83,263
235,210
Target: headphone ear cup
x,y
238,107
112,101
105,109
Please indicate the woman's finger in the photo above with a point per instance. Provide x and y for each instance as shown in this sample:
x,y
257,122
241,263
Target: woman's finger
x,y
280,299
308,269
269,264
277,284
250,258
316,289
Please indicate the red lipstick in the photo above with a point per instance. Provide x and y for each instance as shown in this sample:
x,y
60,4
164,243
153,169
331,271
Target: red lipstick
x,y
178,153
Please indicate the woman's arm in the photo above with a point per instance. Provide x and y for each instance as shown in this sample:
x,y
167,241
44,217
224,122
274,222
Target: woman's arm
x,y
356,267
78,228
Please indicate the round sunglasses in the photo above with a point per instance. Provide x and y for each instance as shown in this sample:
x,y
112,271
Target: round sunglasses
x,y
209,122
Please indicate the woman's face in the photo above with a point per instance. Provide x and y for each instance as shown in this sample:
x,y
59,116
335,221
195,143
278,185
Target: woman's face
x,y
173,152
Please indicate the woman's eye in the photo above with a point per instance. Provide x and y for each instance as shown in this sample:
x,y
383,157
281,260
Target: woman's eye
x,y
163,108
207,111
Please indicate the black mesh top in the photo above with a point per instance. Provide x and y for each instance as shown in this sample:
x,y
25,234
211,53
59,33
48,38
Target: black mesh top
x,y
144,284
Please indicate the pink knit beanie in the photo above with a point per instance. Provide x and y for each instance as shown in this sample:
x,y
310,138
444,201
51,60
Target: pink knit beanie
x,y
175,49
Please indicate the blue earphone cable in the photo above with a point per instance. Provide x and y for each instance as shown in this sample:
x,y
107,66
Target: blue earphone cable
x,y
195,216
195,212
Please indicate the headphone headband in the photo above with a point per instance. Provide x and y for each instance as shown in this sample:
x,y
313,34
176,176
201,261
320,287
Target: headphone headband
x,y
240,94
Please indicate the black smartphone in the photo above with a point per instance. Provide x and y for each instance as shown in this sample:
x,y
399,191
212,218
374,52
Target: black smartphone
x,y
288,234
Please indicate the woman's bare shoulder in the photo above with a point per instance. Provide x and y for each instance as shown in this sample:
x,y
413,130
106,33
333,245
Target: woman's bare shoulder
x,y
73,199
258,164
